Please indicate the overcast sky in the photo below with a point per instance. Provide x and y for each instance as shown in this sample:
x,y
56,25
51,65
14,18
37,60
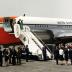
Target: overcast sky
x,y
40,8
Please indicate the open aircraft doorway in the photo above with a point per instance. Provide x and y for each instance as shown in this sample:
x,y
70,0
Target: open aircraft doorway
x,y
46,36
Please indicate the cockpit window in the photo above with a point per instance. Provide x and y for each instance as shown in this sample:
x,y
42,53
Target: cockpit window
x,y
7,27
8,24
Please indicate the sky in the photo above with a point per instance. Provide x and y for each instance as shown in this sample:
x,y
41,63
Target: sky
x,y
38,8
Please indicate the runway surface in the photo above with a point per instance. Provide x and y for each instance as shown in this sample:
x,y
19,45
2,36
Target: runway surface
x,y
37,66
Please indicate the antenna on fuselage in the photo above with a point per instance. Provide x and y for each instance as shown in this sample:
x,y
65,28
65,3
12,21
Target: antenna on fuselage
x,y
24,15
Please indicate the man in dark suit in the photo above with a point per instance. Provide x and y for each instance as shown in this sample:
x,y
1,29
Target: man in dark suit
x,y
27,53
19,55
14,54
10,55
44,53
56,54
1,60
70,55
66,54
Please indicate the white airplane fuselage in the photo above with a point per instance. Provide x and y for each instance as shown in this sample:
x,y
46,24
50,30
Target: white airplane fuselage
x,y
60,27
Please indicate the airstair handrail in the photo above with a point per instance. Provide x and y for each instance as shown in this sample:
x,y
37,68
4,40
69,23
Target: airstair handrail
x,y
28,38
36,44
34,41
42,42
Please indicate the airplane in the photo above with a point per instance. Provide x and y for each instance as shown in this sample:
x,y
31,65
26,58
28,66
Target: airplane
x,y
24,26
8,37
6,31
57,25
60,27
11,32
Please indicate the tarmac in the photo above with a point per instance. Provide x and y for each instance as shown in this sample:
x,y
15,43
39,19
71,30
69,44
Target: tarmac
x,y
37,66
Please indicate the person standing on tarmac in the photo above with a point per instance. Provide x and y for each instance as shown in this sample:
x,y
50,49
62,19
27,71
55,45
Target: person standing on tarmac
x,y
44,53
27,53
70,54
10,55
14,54
61,54
56,54
19,55
1,57
6,56
66,54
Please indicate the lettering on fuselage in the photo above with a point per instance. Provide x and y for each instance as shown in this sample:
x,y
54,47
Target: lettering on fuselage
x,y
62,22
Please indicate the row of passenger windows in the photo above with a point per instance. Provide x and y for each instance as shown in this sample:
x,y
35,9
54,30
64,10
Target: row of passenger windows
x,y
50,26
44,25
37,25
54,26
66,26
41,25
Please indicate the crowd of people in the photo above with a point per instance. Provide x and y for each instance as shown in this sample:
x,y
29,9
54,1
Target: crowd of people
x,y
12,56
63,53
